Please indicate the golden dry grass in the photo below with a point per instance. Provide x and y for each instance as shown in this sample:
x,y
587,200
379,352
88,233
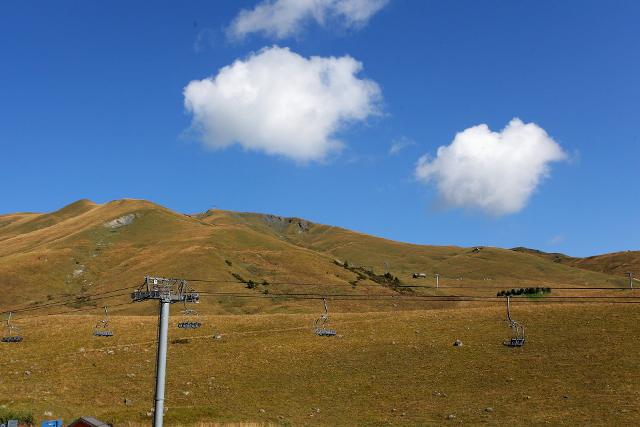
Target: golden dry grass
x,y
206,424
579,367
615,263
71,252
392,364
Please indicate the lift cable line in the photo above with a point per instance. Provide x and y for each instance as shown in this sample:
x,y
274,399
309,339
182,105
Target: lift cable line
x,y
92,307
78,310
493,287
322,295
611,299
167,292
387,298
81,298
105,295
435,298
319,294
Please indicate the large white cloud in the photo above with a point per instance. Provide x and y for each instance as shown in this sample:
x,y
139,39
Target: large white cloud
x,y
495,172
279,102
283,18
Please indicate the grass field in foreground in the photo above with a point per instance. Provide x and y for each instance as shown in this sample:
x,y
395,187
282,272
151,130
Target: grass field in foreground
x,y
579,366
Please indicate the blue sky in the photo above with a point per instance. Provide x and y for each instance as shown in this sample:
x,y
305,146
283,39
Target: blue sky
x,y
92,106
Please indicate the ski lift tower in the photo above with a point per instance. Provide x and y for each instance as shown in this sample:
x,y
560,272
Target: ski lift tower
x,y
167,291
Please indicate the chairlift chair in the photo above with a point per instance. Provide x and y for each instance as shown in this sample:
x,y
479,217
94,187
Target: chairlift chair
x,y
11,336
320,325
101,328
188,324
517,340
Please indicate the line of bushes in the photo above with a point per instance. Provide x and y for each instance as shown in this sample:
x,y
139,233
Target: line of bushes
x,y
387,279
524,291
251,284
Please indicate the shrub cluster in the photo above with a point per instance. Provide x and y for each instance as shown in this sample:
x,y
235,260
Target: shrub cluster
x,y
25,418
390,278
250,284
524,291
386,279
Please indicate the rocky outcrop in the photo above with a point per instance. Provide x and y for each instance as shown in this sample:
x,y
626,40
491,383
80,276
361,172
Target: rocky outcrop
x,y
122,221
281,224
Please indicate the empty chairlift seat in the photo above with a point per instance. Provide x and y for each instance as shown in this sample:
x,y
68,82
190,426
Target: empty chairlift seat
x,y
323,332
320,325
517,340
11,335
102,327
189,324
514,342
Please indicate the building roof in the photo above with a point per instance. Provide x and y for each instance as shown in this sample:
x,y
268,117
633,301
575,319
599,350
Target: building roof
x,y
90,421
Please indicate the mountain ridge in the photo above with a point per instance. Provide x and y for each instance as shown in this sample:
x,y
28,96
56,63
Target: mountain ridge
x,y
84,247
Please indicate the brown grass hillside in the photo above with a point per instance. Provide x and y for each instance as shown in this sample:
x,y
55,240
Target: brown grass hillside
x,y
392,362
616,263
87,248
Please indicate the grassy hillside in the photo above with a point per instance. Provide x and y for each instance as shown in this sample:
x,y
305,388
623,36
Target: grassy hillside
x,y
392,363
616,263
86,248
476,266
579,367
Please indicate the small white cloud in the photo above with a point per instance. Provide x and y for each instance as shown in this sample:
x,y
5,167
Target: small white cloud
x,y
284,18
279,102
495,172
205,38
556,240
400,144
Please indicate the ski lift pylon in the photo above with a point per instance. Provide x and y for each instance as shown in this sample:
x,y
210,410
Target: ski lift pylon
x,y
10,336
517,340
101,328
320,325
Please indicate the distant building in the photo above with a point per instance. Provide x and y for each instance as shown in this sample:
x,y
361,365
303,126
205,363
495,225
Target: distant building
x,y
419,275
88,422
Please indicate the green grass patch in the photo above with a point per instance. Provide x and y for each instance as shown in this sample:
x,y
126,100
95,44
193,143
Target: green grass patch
x,y
23,417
